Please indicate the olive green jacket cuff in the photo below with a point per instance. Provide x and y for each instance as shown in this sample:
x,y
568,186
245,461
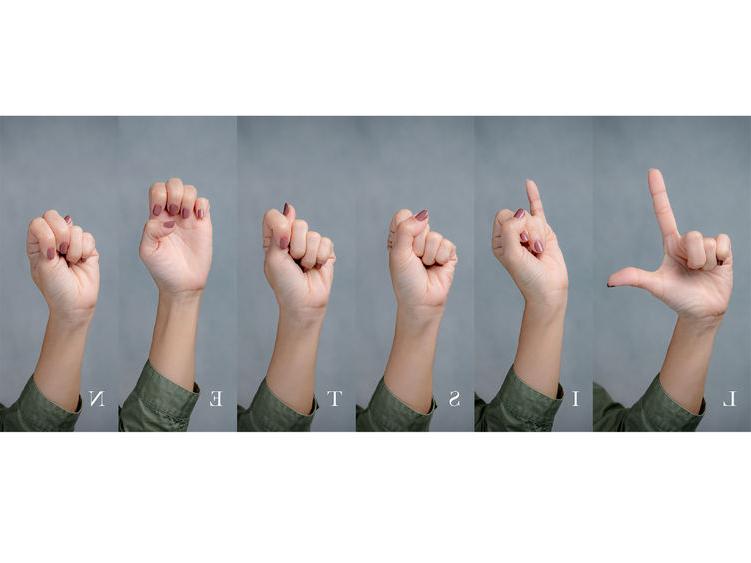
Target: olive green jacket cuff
x,y
157,404
267,413
517,408
655,411
386,413
33,412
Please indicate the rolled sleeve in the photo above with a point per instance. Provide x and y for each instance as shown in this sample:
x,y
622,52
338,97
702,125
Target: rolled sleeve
x,y
33,412
386,413
267,413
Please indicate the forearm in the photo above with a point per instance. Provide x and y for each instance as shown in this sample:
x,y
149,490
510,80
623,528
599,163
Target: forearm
x,y
292,370
173,345
684,370
58,370
409,371
538,354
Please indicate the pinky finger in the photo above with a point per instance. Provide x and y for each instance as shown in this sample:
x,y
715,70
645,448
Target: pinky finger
x,y
724,252
202,208
325,249
89,246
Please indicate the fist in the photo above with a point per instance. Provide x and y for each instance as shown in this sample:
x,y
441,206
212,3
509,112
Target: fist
x,y
64,265
527,247
421,261
298,262
176,241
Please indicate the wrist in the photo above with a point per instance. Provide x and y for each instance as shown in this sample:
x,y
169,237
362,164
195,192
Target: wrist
x,y
180,299
418,319
546,311
700,325
71,320
302,318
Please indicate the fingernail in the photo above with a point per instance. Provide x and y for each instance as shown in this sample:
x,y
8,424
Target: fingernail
x,y
519,213
422,215
186,213
283,243
169,224
719,262
68,219
286,209
200,213
538,247
524,237
50,253
157,210
609,284
63,248
173,209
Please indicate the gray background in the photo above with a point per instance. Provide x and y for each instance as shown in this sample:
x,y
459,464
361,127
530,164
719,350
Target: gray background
x,y
416,163
66,164
705,162
313,164
203,152
557,153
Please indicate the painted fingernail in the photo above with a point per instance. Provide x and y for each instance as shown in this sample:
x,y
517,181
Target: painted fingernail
x,y
538,247
720,262
609,284
63,248
519,213
524,237
283,243
157,210
286,209
50,253
186,213
68,219
169,224
173,209
422,215
199,213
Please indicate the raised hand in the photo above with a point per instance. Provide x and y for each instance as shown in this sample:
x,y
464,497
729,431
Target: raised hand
x,y
299,262
527,247
695,278
64,266
176,241
422,263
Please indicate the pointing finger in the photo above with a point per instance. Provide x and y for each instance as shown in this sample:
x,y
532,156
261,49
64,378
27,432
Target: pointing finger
x,y
661,204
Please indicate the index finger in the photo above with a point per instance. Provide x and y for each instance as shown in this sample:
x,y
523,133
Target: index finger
x,y
535,203
661,204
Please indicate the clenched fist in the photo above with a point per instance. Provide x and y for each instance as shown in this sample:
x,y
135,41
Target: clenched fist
x,y
299,263
695,278
176,241
64,266
421,261
527,247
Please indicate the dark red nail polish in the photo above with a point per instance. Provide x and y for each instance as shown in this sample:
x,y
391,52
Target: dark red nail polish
x,y
173,209
283,243
538,247
720,262
169,224
519,213
422,215
286,209
186,213
200,213
157,210
524,237
68,219
63,248
609,285
50,253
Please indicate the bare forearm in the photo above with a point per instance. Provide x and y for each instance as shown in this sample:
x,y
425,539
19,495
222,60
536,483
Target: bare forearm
x,y
291,375
58,370
684,371
538,355
173,345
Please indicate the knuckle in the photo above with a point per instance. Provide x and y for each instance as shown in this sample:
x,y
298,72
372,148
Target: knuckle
x,y
301,224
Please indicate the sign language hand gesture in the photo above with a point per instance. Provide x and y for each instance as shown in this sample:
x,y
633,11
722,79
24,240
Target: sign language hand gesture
x,y
695,278
527,247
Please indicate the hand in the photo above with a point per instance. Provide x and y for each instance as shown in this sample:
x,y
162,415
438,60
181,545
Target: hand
x,y
64,266
176,241
527,247
695,278
422,263
299,263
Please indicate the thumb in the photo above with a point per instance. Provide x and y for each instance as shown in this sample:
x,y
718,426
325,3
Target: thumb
x,y
636,277
408,230
155,230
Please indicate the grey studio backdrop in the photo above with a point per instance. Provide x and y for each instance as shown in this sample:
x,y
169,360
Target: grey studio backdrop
x,y
203,152
705,162
557,153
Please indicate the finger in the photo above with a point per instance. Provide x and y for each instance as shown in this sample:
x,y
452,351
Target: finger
x,y
312,242
202,208
75,248
536,234
432,243
445,252
175,191
636,277
60,228
724,252
327,270
418,246
297,242
407,231
289,211
40,239
89,246
535,202
276,230
157,198
398,217
661,204
156,229
710,251
508,227
325,249
190,194
693,243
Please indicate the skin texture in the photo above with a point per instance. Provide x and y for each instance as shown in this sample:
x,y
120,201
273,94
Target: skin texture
x,y
64,265
695,279
176,249
299,266
422,264
527,247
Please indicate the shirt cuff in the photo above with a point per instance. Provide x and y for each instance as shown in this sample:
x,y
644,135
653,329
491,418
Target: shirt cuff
x,y
526,403
164,396
271,415
664,414
390,414
39,414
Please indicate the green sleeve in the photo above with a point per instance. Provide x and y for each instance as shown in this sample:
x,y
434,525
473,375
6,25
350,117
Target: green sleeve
x,y
267,413
156,404
386,413
33,412
654,412
517,408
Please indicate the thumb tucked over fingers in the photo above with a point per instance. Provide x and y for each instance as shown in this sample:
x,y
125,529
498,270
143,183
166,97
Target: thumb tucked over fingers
x,y
157,229
636,277
408,230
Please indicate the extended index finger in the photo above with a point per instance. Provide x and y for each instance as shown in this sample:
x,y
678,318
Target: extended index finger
x,y
661,203
535,202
